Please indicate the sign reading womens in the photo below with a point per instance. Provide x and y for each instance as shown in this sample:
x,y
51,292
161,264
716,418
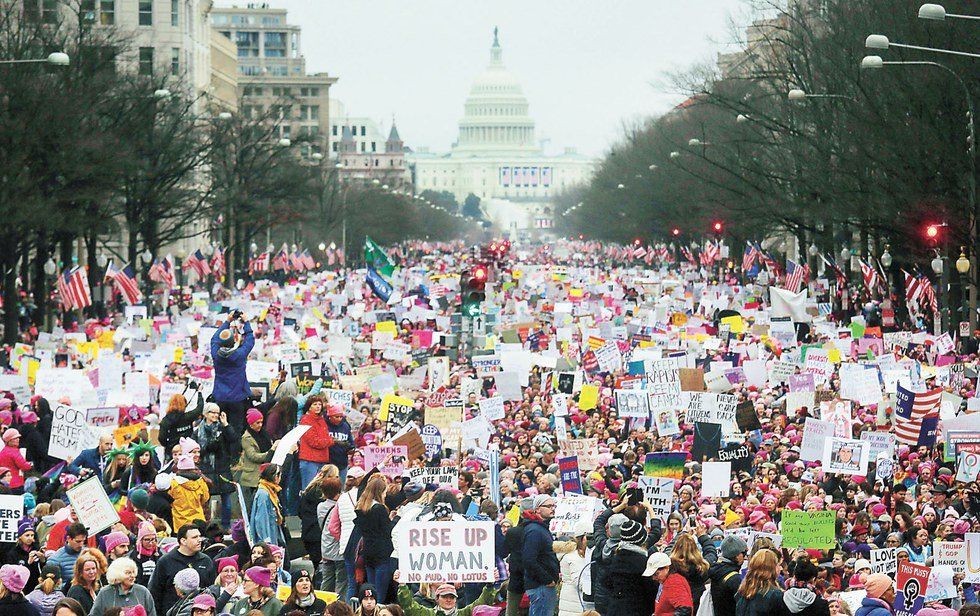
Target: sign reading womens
x,y
70,433
808,529
446,552
11,511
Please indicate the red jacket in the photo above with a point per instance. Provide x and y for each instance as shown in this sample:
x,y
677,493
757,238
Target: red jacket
x,y
314,445
10,458
675,593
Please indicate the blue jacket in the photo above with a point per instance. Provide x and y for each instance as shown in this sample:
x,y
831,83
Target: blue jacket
x,y
90,459
540,561
873,607
65,560
265,520
230,382
342,443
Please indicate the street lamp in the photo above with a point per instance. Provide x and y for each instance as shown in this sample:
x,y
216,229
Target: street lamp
x,y
741,118
963,267
963,264
50,267
102,260
675,154
254,248
285,142
798,95
880,41
620,186
322,246
58,58
697,143
652,167
225,116
814,251
317,156
886,258
937,12
147,255
162,93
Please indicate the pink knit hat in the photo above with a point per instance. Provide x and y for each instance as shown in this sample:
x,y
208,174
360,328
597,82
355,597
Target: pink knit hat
x,y
115,539
146,529
252,416
260,576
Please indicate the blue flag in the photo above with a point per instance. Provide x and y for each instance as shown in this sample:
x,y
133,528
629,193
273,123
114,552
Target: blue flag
x,y
905,400
378,285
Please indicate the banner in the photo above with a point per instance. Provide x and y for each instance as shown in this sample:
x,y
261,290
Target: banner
x,y
11,511
446,552
92,505
808,529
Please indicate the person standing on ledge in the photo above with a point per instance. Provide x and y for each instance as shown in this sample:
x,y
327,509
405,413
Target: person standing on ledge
x,y
230,347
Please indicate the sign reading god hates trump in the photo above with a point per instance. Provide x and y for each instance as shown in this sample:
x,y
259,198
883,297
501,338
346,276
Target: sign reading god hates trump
x,y
450,552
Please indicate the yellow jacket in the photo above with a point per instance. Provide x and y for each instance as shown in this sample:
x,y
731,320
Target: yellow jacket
x,y
190,497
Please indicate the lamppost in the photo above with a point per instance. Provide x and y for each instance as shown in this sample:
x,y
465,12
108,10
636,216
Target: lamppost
x,y
50,269
798,95
57,58
939,267
963,267
937,12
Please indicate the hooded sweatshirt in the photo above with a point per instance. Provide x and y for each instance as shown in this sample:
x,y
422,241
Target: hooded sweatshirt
x,y
805,601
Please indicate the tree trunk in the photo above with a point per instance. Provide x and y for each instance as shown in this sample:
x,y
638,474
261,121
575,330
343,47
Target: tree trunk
x,y
11,330
39,282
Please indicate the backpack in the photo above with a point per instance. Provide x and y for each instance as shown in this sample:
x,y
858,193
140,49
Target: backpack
x,y
707,607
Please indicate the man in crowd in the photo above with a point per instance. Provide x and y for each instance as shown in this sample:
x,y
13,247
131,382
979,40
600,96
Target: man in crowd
x,y
187,554
541,570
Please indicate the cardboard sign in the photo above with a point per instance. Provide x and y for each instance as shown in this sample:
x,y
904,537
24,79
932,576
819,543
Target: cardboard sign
x,y
808,529
972,573
102,417
815,433
572,509
412,441
715,479
492,408
571,477
446,552
845,456
435,475
70,434
127,434
92,505
949,554
389,459
11,511
911,583
884,561
585,449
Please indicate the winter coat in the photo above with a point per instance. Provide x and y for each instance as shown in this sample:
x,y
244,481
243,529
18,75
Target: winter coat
x,y
114,596
342,443
65,559
538,556
804,602
874,607
36,445
329,542
695,585
45,602
725,579
11,458
218,442
230,382
674,595
190,499
310,527
413,608
513,542
90,459
272,607
251,460
178,424
761,604
17,605
629,593
161,582
600,595
16,555
375,527
314,445
264,520
570,597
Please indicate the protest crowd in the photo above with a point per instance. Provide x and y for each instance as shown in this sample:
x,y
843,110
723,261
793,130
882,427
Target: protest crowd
x,y
611,430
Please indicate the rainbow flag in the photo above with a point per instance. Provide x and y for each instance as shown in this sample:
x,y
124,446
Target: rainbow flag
x,y
664,464
55,471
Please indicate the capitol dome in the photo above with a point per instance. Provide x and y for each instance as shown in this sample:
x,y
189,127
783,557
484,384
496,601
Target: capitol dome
x,y
495,119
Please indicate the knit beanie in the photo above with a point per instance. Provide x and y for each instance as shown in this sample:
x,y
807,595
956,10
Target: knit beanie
x,y
732,546
633,532
616,522
877,584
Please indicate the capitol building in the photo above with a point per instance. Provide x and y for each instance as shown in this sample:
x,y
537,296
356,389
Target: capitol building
x,y
497,158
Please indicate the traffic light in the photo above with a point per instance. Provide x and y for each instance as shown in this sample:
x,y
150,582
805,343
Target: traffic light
x,y
474,290
718,227
675,232
932,232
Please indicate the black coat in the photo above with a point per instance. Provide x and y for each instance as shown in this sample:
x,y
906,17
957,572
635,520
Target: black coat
x,y
513,541
36,445
311,529
16,556
725,580
600,595
12,605
629,593
375,527
216,457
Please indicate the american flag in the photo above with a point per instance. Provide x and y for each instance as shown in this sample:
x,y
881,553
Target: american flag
x,y
797,276
919,291
688,255
199,263
916,415
281,260
296,261
162,271
749,256
711,252
770,262
259,263
639,252
124,279
73,288
872,279
838,272
308,259
218,262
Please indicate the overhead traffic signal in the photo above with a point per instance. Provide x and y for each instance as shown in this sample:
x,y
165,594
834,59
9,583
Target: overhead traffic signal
x,y
718,227
473,290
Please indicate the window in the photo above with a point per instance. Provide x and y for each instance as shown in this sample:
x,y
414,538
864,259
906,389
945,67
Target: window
x,y
107,12
44,11
248,44
275,44
279,71
86,9
309,112
174,60
333,130
219,20
146,12
363,147
249,70
374,146
174,13
334,145
146,61
363,131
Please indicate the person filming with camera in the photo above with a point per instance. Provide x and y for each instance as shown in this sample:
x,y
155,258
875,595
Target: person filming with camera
x,y
230,347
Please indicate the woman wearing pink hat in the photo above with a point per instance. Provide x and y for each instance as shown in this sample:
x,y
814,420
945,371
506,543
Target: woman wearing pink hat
x,y
10,457
257,449
258,594
13,579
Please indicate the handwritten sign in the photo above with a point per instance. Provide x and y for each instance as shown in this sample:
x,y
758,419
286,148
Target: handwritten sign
x,y
389,459
437,475
884,561
70,434
808,529
659,492
92,505
11,511
446,552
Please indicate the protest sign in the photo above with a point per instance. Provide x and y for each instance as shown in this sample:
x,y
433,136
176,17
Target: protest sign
x,y
92,505
339,397
70,433
968,466
664,464
389,459
739,455
435,475
572,509
883,561
125,435
632,403
911,583
808,529
11,511
287,443
432,440
492,408
571,477
949,554
584,449
659,492
663,385
972,549
879,443
244,518
845,456
715,479
815,433
940,585
102,417
446,552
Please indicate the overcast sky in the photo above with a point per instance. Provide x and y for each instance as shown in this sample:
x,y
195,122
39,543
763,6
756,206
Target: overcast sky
x,y
586,65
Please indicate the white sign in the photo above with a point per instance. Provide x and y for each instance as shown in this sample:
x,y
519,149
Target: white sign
x,y
950,554
103,417
572,509
880,443
437,475
884,561
446,552
11,511
339,397
659,492
815,432
492,408
286,444
92,505
70,434
663,385
845,456
972,549
968,467
632,403
715,478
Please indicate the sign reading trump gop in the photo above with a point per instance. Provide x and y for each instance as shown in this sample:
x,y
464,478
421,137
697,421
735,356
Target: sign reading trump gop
x,y
437,552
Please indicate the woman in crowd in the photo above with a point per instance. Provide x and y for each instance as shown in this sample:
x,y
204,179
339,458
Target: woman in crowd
x,y
218,442
13,579
142,470
87,579
257,449
331,558
314,445
373,519
687,560
302,597
115,472
573,563
759,594
48,593
122,590
178,422
69,607
259,595
629,592
267,518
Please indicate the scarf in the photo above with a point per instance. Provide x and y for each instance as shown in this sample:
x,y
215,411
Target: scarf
x,y
262,439
273,491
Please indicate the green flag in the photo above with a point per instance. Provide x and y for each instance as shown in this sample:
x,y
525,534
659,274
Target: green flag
x,y
376,257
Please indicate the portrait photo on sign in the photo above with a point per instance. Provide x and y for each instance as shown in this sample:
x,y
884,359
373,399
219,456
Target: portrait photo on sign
x,y
845,456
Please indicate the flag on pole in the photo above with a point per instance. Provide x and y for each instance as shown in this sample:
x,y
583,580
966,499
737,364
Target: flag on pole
x,y
838,272
162,271
199,263
750,256
797,276
379,286
916,414
259,263
73,288
377,258
124,280
218,262
872,280
281,260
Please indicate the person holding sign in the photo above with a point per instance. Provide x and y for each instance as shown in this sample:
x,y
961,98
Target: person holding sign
x,y
315,443
230,346
446,597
